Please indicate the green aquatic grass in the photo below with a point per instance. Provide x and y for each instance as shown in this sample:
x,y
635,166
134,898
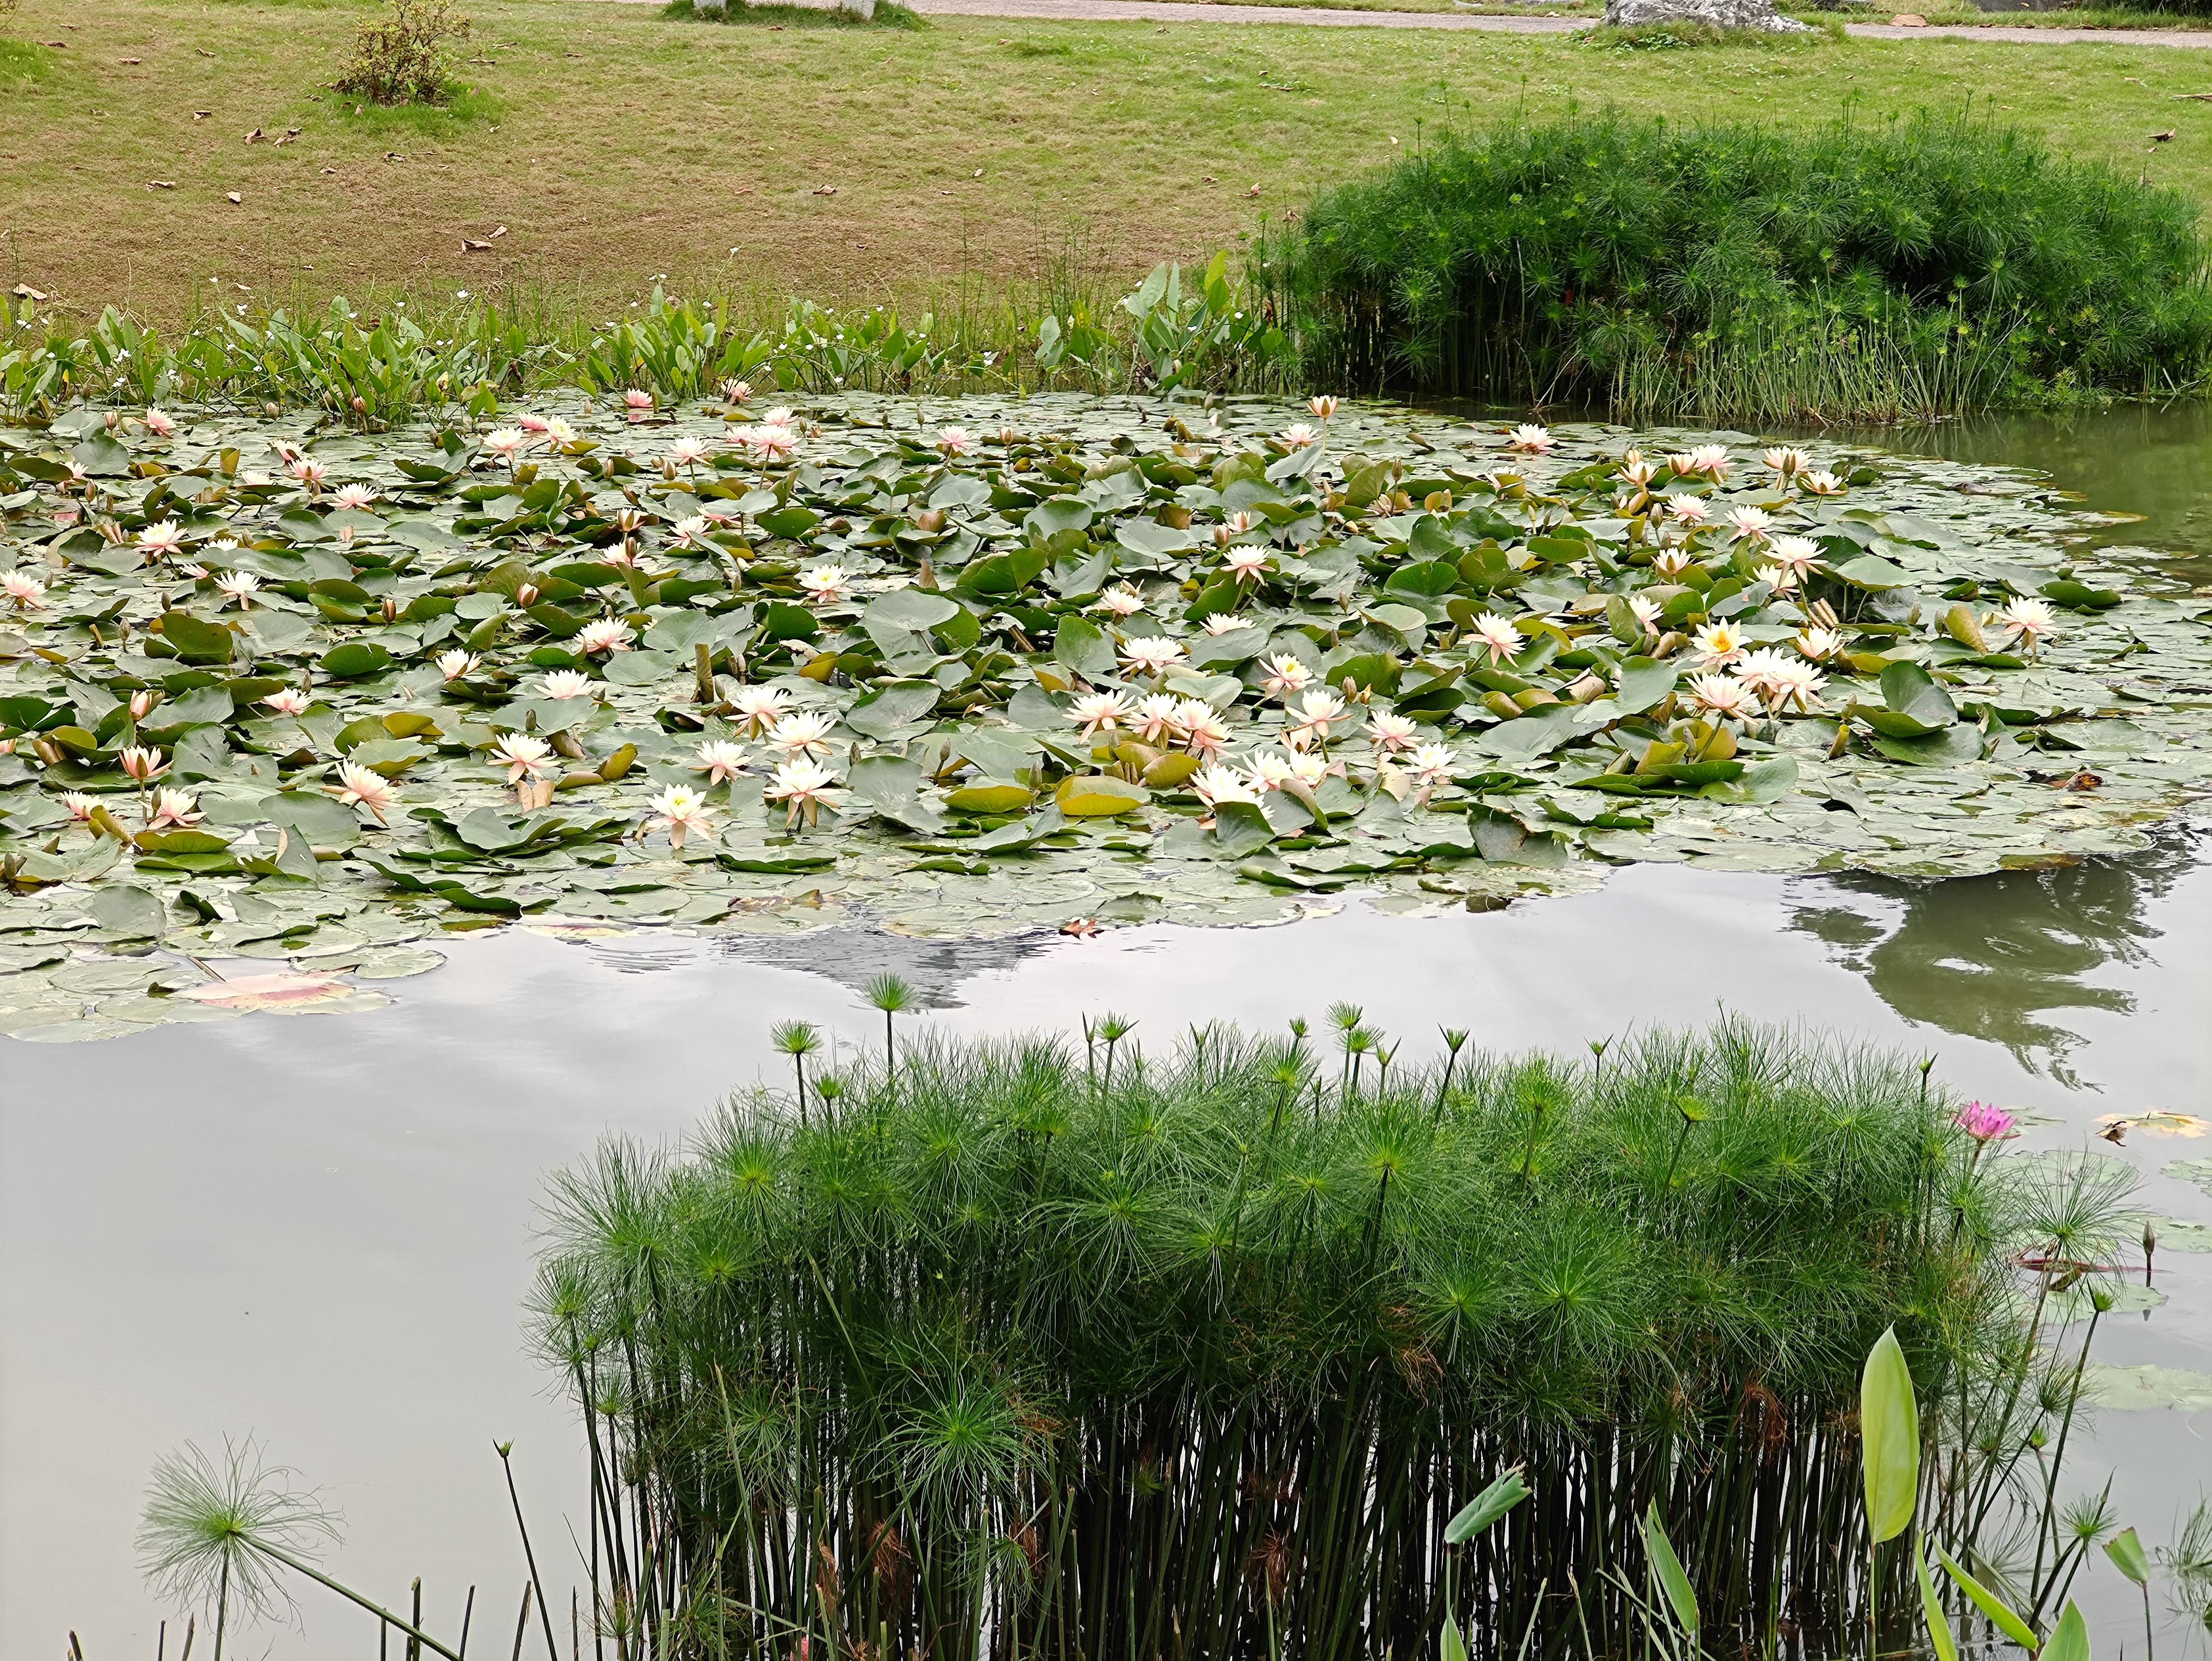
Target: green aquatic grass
x,y
1872,269
1042,1348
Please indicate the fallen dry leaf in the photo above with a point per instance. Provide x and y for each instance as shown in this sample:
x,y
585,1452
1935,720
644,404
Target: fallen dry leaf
x,y
2164,137
329,169
1208,179
130,60
393,155
470,245
232,195
1254,190
825,190
1909,19
201,115
253,138
203,52
25,291
160,184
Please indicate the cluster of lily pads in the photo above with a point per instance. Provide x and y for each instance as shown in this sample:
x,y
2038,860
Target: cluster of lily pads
x,y
280,689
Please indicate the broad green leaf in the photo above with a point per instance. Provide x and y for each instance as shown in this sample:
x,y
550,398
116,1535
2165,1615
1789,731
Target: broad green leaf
x,y
1990,1603
355,660
1643,682
197,640
2126,1550
2069,1640
1667,1569
131,911
901,704
1240,829
1503,1494
1889,1426
1098,795
1451,1646
1931,1607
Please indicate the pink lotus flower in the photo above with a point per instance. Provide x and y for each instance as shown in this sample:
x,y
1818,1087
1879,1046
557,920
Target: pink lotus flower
x,y
364,786
1984,1124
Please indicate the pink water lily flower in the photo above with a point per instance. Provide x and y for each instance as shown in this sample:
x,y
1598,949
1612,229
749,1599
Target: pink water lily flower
x,y
1217,786
563,683
954,440
1121,601
1500,634
1204,732
158,423
287,701
505,442
1155,721
142,763
80,806
1245,562
607,635
352,497
174,807
1984,1122
1388,731
240,586
759,708
25,591
1298,435
1322,407
364,786
525,755
721,759
1284,674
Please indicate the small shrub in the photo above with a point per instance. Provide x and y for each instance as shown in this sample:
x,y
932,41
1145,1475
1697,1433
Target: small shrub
x,y
401,59
1916,267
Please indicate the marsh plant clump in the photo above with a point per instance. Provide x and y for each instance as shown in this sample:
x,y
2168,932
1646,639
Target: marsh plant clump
x,y
401,59
1013,664
1919,267
1033,1348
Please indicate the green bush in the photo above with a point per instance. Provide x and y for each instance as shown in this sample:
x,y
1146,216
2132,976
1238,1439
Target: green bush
x,y
1920,266
1160,1354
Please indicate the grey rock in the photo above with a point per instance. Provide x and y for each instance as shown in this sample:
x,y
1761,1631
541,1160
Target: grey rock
x,y
1718,14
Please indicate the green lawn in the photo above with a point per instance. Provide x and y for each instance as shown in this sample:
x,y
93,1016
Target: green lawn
x,y
615,144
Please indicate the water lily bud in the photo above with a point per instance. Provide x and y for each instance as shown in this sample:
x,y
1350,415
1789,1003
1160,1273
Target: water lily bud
x,y
930,520
360,404
526,594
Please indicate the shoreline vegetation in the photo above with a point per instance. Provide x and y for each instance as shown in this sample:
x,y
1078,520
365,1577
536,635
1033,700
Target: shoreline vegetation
x,y
1875,272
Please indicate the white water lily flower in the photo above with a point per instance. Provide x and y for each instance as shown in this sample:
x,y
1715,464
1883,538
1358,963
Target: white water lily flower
x,y
363,787
1780,578
1245,562
721,759
694,531
2029,620
1204,732
1217,786
1671,562
826,585
452,665
525,755
1797,555
1155,718
1647,610
1284,674
802,732
1317,711
607,635
1786,460
163,539
1151,654
1121,601
1750,522
1822,484
1818,643
1234,525
505,442
1269,770
1222,622
355,498
688,451
1724,695
1095,712
240,586
679,810
1718,643
1388,732
1793,683
1500,634
1430,765
804,786
1530,440
1636,470
759,708
289,700
566,684
1298,435
1688,509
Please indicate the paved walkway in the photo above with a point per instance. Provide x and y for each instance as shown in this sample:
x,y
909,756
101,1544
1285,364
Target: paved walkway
x,y
1200,11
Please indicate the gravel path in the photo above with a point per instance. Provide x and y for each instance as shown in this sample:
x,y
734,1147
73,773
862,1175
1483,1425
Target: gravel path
x,y
1198,11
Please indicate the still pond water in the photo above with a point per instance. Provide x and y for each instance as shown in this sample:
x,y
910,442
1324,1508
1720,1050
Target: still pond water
x,y
317,1229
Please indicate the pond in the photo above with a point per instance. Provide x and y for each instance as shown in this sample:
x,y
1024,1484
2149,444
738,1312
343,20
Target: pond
x,y
317,1227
